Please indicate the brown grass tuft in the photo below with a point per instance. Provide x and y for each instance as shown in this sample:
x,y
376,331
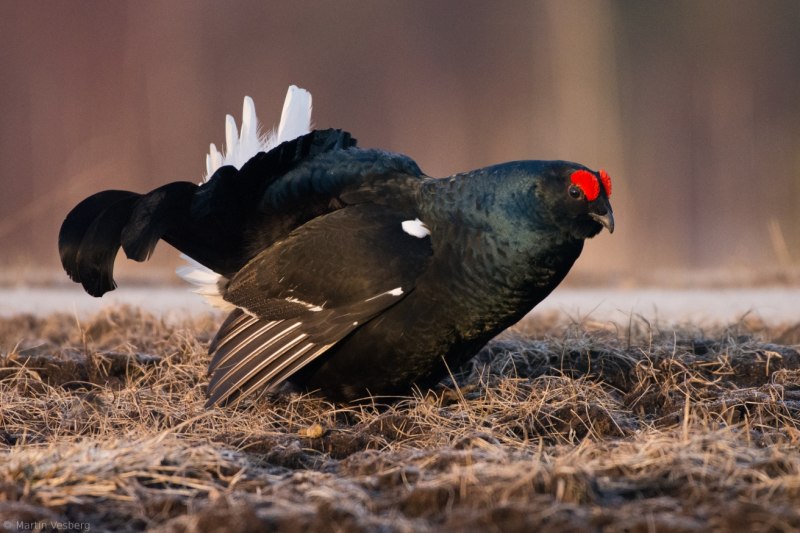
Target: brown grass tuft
x,y
568,427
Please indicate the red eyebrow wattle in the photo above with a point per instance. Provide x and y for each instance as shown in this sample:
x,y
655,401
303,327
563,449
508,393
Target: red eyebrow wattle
x,y
605,179
587,182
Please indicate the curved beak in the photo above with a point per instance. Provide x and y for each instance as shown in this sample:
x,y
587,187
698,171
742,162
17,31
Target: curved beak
x,y
604,215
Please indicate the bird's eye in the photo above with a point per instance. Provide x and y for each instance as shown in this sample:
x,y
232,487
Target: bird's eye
x,y
575,192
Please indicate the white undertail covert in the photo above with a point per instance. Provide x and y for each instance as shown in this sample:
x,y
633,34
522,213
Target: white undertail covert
x,y
240,147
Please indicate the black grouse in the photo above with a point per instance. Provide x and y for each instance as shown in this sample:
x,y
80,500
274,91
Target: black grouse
x,y
350,270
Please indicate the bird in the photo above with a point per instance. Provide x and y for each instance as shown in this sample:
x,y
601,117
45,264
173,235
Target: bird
x,y
345,270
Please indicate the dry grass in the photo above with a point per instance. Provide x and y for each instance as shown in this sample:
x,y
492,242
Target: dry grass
x,y
554,426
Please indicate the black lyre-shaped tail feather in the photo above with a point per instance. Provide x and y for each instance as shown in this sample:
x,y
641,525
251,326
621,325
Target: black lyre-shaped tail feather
x,y
154,216
90,238
209,223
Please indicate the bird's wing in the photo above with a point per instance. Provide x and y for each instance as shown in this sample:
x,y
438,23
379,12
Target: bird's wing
x,y
301,296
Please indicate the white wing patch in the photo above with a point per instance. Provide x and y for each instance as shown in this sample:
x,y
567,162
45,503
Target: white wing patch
x,y
311,307
415,228
394,292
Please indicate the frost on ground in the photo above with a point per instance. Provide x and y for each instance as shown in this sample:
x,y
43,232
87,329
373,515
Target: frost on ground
x,y
555,425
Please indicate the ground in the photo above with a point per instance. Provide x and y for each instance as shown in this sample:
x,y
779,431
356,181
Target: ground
x,y
556,425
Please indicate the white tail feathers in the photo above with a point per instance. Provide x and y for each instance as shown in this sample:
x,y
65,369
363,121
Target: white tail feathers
x,y
214,160
240,147
205,280
296,115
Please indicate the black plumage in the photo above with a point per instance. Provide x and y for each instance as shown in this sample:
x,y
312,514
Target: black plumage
x,y
352,272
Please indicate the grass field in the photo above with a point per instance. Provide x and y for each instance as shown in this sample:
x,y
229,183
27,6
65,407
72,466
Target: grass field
x,y
554,426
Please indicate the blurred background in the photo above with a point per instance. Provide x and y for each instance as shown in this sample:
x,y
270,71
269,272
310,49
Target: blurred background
x,y
692,107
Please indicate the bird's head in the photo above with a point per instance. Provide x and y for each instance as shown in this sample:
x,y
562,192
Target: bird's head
x,y
573,198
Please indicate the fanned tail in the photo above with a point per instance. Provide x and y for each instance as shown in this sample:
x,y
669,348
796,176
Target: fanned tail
x,y
210,223
241,146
